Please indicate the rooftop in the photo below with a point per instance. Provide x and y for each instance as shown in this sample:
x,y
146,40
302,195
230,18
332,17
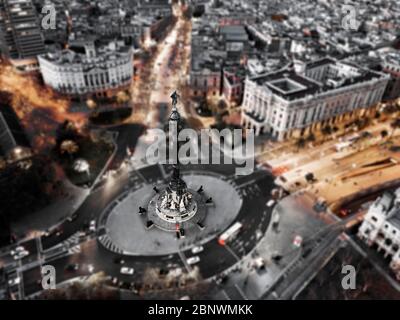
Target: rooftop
x,y
291,85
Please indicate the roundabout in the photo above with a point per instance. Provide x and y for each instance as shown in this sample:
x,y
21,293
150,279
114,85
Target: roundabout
x,y
127,231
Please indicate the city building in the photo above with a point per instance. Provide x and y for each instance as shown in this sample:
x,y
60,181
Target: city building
x,y
88,70
234,40
381,227
233,82
391,65
205,77
310,94
21,39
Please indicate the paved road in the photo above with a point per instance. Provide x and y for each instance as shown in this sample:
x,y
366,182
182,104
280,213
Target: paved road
x,y
255,190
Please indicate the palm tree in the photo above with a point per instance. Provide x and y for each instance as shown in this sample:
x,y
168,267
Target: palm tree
x,y
69,147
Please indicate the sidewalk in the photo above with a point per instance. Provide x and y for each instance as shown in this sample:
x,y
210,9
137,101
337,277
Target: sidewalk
x,y
296,218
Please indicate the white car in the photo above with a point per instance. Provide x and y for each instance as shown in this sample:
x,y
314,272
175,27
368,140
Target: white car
x,y
198,249
127,271
270,203
21,255
92,226
90,268
193,260
15,281
17,250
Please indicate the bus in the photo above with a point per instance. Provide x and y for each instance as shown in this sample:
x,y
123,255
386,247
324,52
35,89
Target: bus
x,y
230,233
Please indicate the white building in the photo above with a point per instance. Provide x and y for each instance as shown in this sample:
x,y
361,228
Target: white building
x,y
321,92
95,70
381,228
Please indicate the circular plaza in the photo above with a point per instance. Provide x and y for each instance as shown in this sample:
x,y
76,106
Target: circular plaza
x,y
126,230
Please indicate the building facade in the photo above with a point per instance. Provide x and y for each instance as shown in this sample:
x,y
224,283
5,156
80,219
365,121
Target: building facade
x,y
233,81
20,33
96,71
391,65
381,228
296,100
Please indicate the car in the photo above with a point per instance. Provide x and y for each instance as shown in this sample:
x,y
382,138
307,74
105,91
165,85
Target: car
x,y
72,267
17,250
14,282
92,226
21,255
90,268
127,271
270,203
198,249
193,260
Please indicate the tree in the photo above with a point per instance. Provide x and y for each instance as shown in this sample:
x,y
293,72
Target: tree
x,y
384,134
311,137
69,147
300,143
310,178
326,131
122,97
395,125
